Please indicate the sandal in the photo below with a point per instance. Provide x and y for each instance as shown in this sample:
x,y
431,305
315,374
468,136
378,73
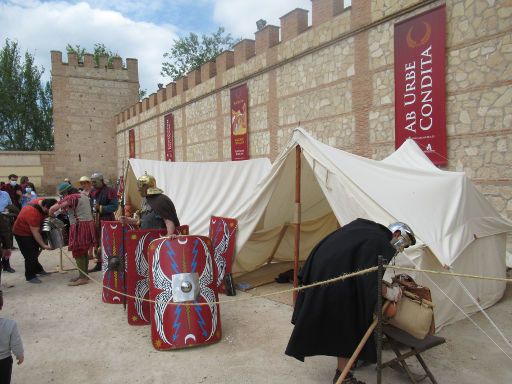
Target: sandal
x,y
79,281
349,379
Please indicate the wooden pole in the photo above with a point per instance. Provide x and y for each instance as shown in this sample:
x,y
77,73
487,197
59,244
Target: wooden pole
x,y
361,345
380,272
297,221
280,238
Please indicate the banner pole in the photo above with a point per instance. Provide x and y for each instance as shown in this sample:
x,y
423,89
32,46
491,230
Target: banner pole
x,y
297,221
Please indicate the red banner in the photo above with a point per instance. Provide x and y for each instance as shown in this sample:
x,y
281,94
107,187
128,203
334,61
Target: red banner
x,y
420,100
239,124
131,144
169,137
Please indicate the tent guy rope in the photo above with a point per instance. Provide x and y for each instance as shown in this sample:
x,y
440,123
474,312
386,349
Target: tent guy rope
x,y
290,290
330,281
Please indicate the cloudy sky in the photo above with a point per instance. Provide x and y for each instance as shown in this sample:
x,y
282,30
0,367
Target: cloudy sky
x,y
141,29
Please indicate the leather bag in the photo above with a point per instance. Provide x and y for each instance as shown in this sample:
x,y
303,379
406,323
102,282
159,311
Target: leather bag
x,y
415,311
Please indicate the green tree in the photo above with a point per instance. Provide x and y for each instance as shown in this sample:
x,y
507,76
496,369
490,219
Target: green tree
x,y
99,50
26,122
190,52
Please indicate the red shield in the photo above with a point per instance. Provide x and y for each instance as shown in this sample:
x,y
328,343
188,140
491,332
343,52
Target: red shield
x,y
223,236
137,273
113,245
173,324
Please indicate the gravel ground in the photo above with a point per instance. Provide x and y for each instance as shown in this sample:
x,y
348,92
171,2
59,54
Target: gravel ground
x,y
71,337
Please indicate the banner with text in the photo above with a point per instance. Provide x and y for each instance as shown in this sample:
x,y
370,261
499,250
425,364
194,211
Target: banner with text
x,y
420,109
131,144
239,123
169,137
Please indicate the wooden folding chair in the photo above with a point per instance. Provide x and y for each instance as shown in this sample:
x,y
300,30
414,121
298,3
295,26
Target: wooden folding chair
x,y
398,338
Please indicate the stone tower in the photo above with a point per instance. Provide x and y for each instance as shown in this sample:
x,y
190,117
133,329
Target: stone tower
x,y
86,99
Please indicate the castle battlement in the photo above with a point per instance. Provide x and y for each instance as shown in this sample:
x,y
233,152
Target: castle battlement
x,y
267,40
60,67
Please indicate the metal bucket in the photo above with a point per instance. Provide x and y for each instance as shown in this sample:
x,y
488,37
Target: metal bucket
x,y
56,238
53,232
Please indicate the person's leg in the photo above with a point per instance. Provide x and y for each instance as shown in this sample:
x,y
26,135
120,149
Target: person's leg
x,y
6,243
30,250
97,259
39,268
5,370
81,263
342,362
349,379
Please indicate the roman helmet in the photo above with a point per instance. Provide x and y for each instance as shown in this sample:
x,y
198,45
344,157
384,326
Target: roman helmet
x,y
406,237
146,184
97,179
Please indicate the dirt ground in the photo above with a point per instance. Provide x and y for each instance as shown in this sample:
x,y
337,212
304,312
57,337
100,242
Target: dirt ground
x,y
71,337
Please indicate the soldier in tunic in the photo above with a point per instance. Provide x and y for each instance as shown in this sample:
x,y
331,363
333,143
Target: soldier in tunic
x,y
82,232
157,210
105,205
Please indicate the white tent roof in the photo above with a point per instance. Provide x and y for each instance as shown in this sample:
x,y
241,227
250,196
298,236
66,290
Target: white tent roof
x,y
200,190
443,208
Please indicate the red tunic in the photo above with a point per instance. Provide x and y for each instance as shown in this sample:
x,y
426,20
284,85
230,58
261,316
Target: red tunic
x,y
82,232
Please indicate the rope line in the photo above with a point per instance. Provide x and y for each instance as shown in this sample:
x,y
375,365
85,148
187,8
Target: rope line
x,y
461,310
479,277
290,290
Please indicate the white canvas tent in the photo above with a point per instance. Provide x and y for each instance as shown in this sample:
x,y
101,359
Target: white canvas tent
x,y
199,190
456,227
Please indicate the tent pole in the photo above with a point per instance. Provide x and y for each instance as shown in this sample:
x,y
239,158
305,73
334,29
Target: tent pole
x,y
297,221
274,250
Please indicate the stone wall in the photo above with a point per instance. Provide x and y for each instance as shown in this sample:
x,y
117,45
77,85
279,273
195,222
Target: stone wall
x,y
335,78
86,98
35,165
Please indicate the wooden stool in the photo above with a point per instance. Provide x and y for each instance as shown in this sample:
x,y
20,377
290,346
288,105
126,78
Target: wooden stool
x,y
398,338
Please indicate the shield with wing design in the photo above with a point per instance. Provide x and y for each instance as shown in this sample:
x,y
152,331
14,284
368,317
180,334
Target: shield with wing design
x,y
137,273
223,236
182,271
112,246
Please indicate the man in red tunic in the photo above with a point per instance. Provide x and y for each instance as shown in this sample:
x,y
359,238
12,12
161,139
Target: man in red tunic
x,y
82,233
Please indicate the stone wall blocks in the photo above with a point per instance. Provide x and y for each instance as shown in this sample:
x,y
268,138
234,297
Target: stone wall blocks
x,y
505,12
505,99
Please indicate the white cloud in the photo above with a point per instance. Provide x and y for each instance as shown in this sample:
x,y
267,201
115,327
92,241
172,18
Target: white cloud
x,y
40,27
239,17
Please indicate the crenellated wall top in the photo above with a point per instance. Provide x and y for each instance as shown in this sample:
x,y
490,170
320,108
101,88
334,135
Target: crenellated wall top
x,y
59,66
292,24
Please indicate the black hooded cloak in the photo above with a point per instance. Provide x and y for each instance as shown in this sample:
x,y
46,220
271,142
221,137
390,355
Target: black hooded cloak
x,y
331,320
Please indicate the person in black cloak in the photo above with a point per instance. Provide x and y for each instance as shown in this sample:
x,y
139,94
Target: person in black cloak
x,y
332,319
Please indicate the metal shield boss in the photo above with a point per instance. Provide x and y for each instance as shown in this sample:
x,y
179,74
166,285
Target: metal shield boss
x,y
183,291
113,261
185,287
